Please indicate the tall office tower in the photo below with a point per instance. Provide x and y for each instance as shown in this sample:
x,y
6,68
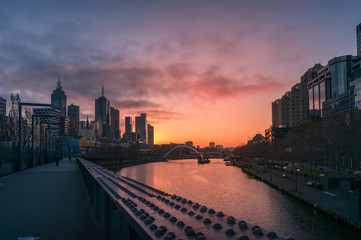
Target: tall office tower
x,y
150,135
58,99
140,127
212,145
128,124
73,111
102,113
358,39
2,106
114,126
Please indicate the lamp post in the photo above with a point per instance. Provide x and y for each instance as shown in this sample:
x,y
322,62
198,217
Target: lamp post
x,y
297,170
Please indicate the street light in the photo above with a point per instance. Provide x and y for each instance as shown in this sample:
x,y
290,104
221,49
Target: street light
x,y
297,170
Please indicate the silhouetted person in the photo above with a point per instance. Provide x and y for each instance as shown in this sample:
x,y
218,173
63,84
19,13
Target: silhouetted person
x,y
46,160
57,161
69,158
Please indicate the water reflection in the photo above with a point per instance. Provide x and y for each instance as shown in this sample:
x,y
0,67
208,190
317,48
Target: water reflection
x,y
228,189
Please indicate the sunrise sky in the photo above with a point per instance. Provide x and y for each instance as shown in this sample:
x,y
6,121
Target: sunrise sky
x,y
201,70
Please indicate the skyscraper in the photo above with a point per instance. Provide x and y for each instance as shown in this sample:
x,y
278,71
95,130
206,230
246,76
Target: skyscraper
x,y
140,127
58,99
2,106
150,135
114,126
128,124
102,113
358,39
73,111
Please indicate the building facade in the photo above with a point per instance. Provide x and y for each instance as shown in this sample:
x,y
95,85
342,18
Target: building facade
x,y
51,117
114,126
2,106
58,99
128,125
358,39
140,127
102,114
73,111
150,135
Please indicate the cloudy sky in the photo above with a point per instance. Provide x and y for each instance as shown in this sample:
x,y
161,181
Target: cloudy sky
x,y
201,70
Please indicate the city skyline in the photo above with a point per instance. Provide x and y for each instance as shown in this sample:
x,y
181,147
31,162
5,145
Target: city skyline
x,y
207,74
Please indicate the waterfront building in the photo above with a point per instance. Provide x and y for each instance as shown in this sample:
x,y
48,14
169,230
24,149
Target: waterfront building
x,y
355,83
73,111
293,108
128,125
275,134
140,127
150,135
58,99
114,126
2,106
102,114
329,91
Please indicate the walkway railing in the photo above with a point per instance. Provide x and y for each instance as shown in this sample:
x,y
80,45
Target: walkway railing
x,y
129,209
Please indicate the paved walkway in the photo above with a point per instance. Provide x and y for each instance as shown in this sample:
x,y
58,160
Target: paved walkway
x,y
339,204
48,202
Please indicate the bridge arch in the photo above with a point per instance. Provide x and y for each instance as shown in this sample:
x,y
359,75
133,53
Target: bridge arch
x,y
181,146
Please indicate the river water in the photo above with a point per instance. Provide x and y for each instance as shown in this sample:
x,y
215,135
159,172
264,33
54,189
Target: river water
x,y
228,189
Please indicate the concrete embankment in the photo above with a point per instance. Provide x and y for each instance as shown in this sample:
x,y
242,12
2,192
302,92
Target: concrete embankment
x,y
341,208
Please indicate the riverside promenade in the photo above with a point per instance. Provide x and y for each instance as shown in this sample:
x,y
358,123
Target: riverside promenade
x,y
48,202
343,209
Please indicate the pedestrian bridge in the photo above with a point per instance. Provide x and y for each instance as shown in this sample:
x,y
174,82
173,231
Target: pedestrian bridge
x,y
129,209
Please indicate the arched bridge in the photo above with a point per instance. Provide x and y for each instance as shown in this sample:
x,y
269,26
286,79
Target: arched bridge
x,y
182,146
200,156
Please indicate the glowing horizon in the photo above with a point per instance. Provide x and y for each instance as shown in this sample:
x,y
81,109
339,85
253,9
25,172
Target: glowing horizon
x,y
202,71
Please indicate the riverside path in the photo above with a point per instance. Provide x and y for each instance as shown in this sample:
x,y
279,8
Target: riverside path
x,y
48,202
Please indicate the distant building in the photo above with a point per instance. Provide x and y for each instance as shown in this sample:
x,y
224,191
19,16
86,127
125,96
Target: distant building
x,y
140,127
51,117
114,126
2,106
82,124
98,128
130,137
58,99
212,145
189,143
102,113
150,135
73,111
128,125
257,139
219,147
358,39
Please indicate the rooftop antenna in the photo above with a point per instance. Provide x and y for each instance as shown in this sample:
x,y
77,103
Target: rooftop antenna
x,y
59,83
102,88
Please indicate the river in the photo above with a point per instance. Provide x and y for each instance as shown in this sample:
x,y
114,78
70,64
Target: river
x,y
228,189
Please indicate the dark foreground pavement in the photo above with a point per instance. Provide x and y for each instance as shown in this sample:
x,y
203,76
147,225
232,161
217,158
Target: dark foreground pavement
x,y
48,202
